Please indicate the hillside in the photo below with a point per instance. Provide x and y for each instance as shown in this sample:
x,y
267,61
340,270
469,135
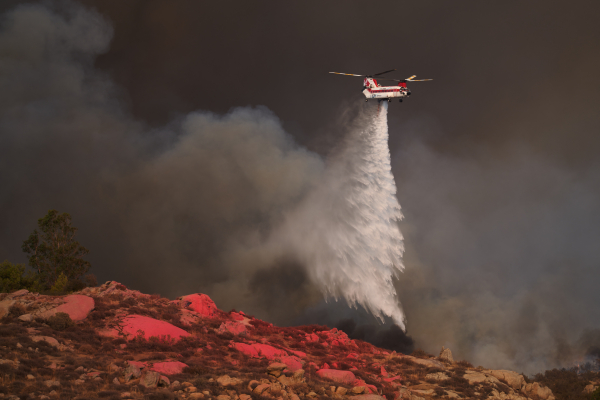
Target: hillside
x,y
118,343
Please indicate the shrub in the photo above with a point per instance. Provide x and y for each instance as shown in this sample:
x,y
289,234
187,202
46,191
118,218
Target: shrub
x,y
17,310
60,321
14,277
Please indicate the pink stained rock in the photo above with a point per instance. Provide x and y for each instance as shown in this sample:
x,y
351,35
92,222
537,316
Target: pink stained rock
x,y
269,352
312,337
132,324
297,353
337,375
200,303
169,367
293,363
77,306
246,349
384,372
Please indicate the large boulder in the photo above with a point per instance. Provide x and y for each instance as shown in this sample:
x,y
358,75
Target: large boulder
x,y
76,305
150,379
337,375
233,327
514,380
446,355
5,306
536,390
133,325
200,303
169,367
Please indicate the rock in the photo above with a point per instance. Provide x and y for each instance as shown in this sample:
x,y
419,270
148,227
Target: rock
x,y
474,377
446,355
77,306
269,352
245,397
223,397
311,394
26,318
196,396
453,395
132,372
200,303
5,306
358,389
226,380
590,388
336,375
438,376
426,362
30,377
48,339
18,293
126,395
164,381
535,389
261,388
150,379
191,389
169,367
78,382
513,379
80,369
186,384
133,324
233,327
51,383
293,362
276,369
341,391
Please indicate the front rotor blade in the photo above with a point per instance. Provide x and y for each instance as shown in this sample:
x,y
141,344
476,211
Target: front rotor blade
x,y
341,73
420,80
408,79
384,72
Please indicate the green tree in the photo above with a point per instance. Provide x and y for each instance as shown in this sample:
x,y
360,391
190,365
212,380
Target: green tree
x,y
54,251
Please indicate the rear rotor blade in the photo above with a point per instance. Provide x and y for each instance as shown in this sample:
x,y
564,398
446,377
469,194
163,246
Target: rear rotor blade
x,y
408,79
341,73
384,72
419,80
389,79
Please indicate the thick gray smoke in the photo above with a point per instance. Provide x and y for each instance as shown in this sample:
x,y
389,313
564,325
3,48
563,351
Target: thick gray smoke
x,y
160,209
502,255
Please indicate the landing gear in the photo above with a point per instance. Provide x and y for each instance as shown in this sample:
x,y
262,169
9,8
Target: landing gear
x,y
366,100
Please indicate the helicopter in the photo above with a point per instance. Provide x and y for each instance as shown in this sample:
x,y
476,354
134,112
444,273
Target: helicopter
x,y
373,90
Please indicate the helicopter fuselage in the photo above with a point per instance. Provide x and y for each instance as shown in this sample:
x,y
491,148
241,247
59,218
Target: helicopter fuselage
x,y
372,90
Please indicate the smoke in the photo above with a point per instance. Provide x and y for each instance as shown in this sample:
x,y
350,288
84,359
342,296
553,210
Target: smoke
x,y
161,209
501,254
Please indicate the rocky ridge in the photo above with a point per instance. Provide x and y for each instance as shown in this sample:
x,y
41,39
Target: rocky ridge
x,y
126,344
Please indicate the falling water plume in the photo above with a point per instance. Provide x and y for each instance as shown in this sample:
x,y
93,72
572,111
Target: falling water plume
x,y
346,231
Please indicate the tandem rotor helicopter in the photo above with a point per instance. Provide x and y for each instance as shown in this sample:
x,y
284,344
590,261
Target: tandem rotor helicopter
x,y
373,90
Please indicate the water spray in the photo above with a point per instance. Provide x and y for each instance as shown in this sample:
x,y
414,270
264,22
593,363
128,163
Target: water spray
x,y
346,231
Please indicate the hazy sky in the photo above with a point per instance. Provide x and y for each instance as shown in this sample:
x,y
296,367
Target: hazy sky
x,y
174,132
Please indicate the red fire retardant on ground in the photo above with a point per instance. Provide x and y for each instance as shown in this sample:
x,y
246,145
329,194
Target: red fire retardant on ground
x,y
269,352
132,324
201,303
247,349
77,306
336,375
169,367
293,363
